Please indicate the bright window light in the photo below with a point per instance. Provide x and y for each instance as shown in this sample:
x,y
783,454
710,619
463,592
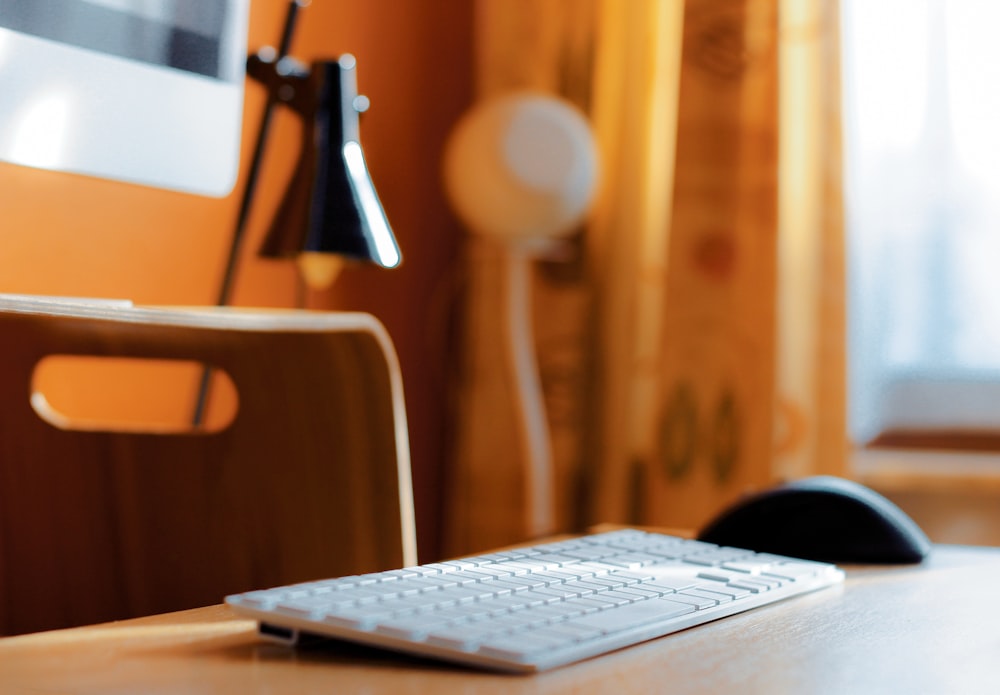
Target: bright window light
x,y
922,108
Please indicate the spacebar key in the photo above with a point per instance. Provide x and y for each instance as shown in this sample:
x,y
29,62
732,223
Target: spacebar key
x,y
631,615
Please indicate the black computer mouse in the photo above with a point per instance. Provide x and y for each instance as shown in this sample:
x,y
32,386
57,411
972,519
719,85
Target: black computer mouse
x,y
821,518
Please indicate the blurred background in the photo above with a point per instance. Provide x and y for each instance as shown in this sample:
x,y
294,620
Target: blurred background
x,y
788,268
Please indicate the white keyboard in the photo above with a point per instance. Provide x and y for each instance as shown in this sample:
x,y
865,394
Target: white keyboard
x,y
539,607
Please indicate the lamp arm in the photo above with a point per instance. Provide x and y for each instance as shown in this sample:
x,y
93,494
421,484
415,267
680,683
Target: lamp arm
x,y
255,68
239,230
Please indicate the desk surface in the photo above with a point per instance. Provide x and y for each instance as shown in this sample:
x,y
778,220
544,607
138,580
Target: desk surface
x,y
928,629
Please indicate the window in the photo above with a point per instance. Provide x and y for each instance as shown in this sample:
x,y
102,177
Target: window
x,y
922,155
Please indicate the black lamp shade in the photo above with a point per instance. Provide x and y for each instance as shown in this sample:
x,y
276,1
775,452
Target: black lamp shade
x,y
331,205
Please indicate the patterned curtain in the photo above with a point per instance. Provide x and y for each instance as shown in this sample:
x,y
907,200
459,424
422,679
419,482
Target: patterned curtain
x,y
690,337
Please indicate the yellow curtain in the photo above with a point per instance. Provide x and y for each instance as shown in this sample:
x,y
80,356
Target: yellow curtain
x,y
690,338
637,79
811,435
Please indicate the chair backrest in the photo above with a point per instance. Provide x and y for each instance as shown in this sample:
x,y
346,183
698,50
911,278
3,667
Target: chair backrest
x,y
309,479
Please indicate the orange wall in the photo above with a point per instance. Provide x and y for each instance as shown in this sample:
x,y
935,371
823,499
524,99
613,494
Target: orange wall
x,y
69,235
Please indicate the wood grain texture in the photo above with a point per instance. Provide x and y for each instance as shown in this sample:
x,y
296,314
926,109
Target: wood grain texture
x,y
311,478
902,629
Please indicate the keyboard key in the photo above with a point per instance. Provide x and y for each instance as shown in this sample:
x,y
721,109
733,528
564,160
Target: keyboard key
x,y
770,582
795,570
463,577
501,587
596,568
700,602
580,587
399,574
631,561
753,566
430,583
716,596
609,582
504,604
589,552
553,559
542,595
469,611
717,556
528,582
387,589
693,548
575,572
629,577
364,579
675,581
422,602
558,576
499,571
503,557
632,615
616,596
587,604
720,575
553,612
755,587
516,568
638,592
728,590
558,546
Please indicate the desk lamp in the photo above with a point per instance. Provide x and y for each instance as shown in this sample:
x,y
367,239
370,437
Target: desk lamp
x,y
330,205
330,208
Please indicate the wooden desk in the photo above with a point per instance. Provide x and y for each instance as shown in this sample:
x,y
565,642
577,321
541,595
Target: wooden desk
x,y
928,629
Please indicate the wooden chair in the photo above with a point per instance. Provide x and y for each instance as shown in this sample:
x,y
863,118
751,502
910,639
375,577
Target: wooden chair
x,y
309,479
